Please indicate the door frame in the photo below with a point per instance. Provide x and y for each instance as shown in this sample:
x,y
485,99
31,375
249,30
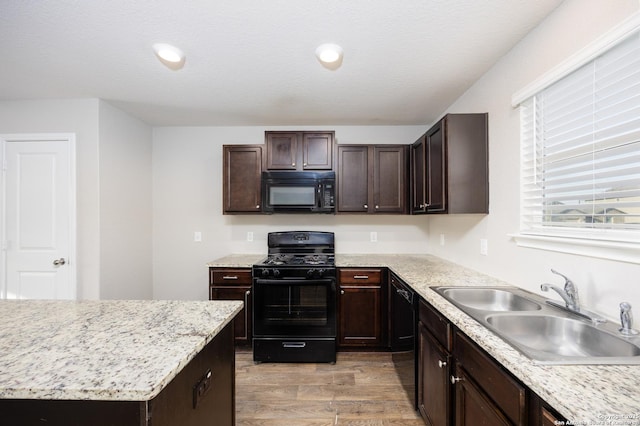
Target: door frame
x,y
70,139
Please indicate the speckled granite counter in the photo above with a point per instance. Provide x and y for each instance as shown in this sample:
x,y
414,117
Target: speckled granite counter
x,y
102,350
584,394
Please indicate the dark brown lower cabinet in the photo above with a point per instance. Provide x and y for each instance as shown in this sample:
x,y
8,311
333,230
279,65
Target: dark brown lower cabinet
x,y
460,384
541,414
434,391
473,408
362,309
234,284
177,404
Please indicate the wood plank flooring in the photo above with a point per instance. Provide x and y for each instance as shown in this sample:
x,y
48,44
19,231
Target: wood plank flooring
x,y
360,389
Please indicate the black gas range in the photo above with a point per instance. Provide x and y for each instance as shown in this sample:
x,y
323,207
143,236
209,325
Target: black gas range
x,y
294,293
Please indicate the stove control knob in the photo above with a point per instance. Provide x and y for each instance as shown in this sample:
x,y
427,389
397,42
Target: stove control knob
x,y
264,272
276,273
320,273
311,272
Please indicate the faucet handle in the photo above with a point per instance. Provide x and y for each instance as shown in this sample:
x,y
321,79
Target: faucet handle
x,y
567,281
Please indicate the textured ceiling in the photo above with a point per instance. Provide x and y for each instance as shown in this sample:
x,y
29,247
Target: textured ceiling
x,y
251,62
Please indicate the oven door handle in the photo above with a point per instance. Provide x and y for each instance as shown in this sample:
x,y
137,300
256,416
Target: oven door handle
x,y
297,281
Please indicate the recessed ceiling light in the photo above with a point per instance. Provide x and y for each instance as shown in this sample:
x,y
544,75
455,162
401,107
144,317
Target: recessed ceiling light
x,y
329,55
169,55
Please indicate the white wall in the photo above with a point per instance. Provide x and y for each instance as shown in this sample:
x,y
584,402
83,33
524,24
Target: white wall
x,y
113,175
79,116
603,284
125,205
187,197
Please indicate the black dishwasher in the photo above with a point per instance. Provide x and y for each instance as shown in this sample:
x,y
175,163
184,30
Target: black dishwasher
x,y
403,306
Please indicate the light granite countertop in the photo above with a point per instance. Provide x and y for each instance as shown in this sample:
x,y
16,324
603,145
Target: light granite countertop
x,y
102,350
585,394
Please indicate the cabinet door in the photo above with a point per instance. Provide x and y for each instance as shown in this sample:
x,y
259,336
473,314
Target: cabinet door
x,y
418,177
242,169
234,284
541,414
353,178
434,391
435,147
472,407
282,150
390,178
317,151
361,308
242,321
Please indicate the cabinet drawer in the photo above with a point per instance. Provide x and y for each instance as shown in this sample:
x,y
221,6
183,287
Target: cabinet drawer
x,y
504,390
360,276
227,276
437,325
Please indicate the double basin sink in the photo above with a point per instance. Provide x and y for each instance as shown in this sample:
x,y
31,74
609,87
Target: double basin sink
x,y
542,332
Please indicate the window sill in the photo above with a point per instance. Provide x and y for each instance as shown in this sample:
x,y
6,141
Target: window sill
x,y
622,251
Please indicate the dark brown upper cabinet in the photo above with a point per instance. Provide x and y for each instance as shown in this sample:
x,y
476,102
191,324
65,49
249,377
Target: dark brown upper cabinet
x,y
242,170
450,166
299,150
372,179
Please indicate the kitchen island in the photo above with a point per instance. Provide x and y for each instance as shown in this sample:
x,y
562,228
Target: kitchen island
x,y
117,362
583,394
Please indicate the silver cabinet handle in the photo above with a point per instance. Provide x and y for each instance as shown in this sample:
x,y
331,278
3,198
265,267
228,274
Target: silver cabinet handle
x,y
366,206
59,262
361,277
442,364
341,291
455,379
230,277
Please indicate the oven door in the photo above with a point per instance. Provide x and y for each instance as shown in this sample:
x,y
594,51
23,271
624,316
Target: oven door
x,y
294,308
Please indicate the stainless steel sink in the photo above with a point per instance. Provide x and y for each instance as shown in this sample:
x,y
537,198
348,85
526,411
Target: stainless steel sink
x,y
543,332
490,299
560,336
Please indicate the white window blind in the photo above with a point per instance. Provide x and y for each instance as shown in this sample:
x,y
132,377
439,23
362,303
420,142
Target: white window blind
x,y
581,148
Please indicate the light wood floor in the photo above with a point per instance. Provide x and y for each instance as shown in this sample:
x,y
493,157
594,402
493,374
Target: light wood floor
x,y
362,388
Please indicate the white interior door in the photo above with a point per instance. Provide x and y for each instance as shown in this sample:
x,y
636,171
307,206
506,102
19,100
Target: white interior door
x,y
38,216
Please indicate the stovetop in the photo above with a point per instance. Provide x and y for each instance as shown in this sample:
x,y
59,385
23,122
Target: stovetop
x,y
292,259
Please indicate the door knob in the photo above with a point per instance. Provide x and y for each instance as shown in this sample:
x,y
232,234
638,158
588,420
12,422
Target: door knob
x,y
59,262
441,364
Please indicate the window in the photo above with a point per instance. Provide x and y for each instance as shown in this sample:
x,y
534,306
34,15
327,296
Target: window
x,y
581,150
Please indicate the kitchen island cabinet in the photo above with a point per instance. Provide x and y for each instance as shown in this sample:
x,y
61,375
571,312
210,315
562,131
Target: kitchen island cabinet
x,y
117,362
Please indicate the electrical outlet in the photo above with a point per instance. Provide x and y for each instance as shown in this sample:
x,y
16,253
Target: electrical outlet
x,y
249,236
374,237
441,239
197,236
484,246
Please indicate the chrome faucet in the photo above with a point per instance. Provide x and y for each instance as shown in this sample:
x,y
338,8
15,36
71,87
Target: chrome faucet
x,y
626,320
569,294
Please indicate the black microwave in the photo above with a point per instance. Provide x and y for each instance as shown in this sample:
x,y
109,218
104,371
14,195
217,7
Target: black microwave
x,y
298,192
